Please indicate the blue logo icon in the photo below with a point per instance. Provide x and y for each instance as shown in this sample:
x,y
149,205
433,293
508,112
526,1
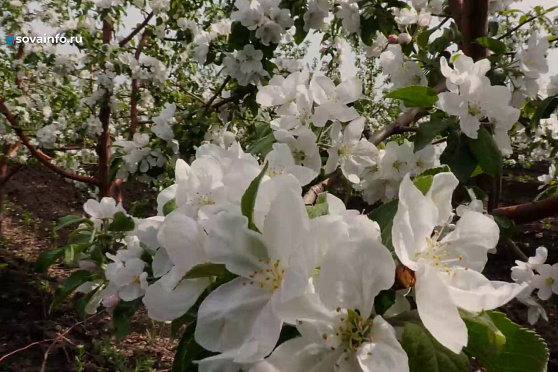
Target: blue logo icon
x,y
10,39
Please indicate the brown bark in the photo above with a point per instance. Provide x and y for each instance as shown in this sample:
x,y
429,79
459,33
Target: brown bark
x,y
474,24
529,212
135,91
103,146
39,155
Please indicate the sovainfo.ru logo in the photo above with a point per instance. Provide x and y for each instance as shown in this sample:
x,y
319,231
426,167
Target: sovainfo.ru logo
x,y
45,39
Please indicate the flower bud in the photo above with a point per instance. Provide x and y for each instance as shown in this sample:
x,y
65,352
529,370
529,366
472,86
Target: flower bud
x,y
392,39
404,38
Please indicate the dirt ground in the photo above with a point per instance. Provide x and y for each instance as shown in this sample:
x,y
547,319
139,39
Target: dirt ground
x,y
37,198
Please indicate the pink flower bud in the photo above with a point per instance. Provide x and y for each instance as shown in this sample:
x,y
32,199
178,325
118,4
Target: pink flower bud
x,y
392,39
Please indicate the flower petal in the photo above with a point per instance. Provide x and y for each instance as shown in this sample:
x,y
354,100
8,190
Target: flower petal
x,y
437,310
470,290
351,277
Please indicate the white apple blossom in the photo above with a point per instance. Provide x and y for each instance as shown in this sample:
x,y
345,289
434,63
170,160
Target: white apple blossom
x,y
350,151
381,181
164,121
532,59
402,72
103,211
548,178
349,15
127,279
339,330
380,43
546,281
273,267
303,147
318,11
472,97
333,100
447,264
281,161
552,86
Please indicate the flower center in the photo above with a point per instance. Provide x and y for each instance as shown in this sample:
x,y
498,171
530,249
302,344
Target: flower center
x,y
345,150
437,254
137,279
397,164
298,156
356,331
204,199
549,281
474,110
270,277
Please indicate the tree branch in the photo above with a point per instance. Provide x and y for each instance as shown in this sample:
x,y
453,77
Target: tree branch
x,y
135,31
312,194
234,97
217,93
135,90
38,154
474,24
529,212
401,125
104,117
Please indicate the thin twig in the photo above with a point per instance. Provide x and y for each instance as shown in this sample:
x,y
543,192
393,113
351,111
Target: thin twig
x,y
217,93
24,348
518,252
136,30
62,336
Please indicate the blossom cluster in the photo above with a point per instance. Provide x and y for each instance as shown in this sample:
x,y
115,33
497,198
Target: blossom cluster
x,y
287,269
472,97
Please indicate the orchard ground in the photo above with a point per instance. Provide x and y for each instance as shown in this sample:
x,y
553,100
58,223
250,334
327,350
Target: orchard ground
x,y
38,197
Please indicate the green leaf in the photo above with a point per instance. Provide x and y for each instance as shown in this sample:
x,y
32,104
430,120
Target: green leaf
x,y
422,38
121,316
300,33
503,346
248,201
262,145
75,280
434,171
81,303
494,45
239,36
69,220
487,153
384,215
429,130
321,208
383,301
47,258
368,28
459,157
177,324
187,351
510,11
423,183
544,109
121,222
415,96
428,355
169,207
205,270
80,236
508,228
